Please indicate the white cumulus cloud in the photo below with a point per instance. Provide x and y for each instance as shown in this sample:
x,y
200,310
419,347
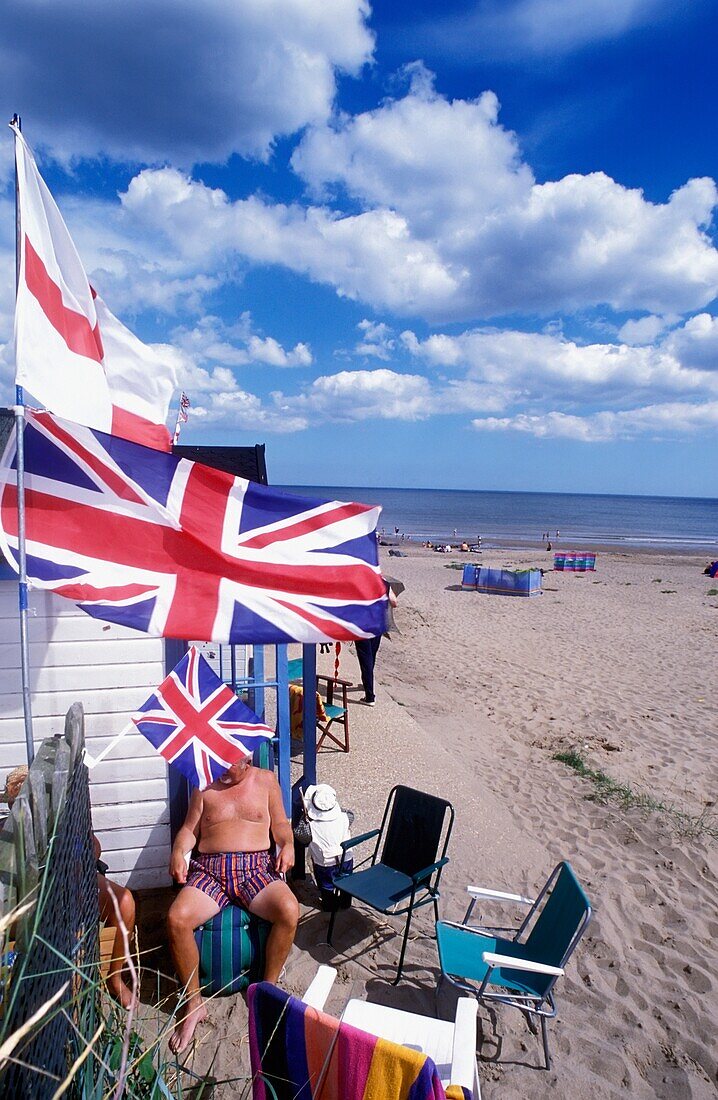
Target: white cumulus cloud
x,y
515,29
360,395
536,365
665,421
456,180
199,80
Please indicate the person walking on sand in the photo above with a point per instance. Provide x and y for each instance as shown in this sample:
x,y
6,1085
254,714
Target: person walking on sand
x,y
232,822
367,649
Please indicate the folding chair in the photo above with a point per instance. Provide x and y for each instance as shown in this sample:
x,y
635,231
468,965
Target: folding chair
x,y
520,970
413,839
328,712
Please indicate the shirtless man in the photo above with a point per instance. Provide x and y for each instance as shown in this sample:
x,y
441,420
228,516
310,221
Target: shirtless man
x,y
230,822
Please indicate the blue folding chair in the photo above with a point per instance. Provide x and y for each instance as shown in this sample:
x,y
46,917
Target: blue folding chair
x,y
413,838
520,970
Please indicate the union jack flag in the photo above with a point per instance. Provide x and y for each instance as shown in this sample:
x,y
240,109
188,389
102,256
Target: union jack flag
x,y
197,723
180,550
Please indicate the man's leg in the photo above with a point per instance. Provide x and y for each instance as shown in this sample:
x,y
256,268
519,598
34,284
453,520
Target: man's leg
x,y
191,908
365,656
277,903
126,904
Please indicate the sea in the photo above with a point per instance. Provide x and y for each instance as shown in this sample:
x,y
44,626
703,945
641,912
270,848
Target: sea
x,y
520,519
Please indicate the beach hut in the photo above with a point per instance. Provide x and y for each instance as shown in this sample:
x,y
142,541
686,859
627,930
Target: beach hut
x,y
138,803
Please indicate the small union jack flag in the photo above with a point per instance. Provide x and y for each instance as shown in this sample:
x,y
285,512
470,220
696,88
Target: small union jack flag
x,y
182,416
197,723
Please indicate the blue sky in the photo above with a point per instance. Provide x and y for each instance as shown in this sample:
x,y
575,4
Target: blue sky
x,y
467,244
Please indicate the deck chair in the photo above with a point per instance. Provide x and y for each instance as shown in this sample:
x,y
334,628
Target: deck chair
x,y
412,839
332,716
298,1050
520,970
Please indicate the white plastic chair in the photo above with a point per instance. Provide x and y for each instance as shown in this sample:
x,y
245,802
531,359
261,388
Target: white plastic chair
x,y
451,1045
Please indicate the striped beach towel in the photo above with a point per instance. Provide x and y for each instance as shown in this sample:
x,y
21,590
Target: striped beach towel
x,y
296,711
299,1053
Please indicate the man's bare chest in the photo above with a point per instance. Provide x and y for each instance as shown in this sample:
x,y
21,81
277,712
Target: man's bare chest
x,y
235,805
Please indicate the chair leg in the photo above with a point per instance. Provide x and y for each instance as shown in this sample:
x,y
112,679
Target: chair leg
x,y
397,979
544,1036
436,915
331,922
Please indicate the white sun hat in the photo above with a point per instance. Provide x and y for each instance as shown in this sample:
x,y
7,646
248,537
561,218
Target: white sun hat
x,y
321,802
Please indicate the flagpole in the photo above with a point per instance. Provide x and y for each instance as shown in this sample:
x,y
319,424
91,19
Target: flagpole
x,y
175,437
19,432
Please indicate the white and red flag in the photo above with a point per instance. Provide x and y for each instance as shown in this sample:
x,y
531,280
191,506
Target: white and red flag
x,y
71,352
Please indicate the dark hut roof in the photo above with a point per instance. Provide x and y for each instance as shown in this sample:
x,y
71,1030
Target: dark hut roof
x,y
246,462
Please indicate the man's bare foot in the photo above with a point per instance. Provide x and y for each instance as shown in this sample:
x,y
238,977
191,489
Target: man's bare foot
x,y
183,1032
121,992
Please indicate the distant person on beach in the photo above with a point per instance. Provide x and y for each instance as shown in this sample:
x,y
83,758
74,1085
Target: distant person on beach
x,y
366,651
396,530
548,546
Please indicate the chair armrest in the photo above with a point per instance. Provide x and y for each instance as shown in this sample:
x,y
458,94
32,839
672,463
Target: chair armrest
x,y
530,967
463,1056
328,679
346,844
425,872
319,987
497,895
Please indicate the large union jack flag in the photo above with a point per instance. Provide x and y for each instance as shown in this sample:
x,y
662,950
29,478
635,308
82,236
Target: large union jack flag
x,y
181,550
197,723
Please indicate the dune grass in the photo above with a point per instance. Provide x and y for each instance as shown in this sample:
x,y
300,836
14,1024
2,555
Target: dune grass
x,y
608,790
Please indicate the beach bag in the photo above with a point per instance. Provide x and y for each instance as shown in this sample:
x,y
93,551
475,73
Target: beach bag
x,y
231,951
302,829
324,878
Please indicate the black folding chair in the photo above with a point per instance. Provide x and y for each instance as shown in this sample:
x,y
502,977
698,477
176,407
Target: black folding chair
x,y
413,839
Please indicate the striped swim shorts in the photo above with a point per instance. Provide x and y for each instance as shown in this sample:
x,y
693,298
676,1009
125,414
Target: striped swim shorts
x,y
229,877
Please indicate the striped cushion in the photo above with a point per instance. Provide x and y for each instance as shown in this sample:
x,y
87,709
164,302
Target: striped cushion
x,y
231,951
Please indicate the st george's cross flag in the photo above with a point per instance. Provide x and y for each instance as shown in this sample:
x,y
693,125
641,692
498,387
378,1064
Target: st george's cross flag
x,y
71,353
181,550
197,723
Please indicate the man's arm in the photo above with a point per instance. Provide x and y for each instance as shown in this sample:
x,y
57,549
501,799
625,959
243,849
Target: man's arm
x,y
186,837
281,829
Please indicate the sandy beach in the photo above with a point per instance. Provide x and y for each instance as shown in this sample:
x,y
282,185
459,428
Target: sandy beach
x,y
475,696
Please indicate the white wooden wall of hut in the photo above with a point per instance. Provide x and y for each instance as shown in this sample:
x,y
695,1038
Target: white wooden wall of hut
x,y
111,670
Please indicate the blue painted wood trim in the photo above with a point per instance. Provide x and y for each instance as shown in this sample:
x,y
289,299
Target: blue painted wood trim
x,y
179,787
309,680
258,677
283,730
